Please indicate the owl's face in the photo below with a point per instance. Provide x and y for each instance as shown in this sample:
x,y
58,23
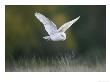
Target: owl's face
x,y
62,35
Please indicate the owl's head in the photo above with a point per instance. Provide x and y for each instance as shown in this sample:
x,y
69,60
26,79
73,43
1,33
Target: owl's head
x,y
63,35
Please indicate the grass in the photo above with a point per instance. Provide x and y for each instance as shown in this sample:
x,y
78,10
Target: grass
x,y
58,64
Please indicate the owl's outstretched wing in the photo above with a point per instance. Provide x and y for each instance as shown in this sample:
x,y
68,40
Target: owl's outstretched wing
x,y
50,27
65,26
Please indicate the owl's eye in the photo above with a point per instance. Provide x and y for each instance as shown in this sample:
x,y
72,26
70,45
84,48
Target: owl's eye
x,y
62,35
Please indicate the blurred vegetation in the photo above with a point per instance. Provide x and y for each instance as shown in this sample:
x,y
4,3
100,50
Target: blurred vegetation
x,y
24,32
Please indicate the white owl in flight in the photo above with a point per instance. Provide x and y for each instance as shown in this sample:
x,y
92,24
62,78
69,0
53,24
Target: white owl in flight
x,y
51,28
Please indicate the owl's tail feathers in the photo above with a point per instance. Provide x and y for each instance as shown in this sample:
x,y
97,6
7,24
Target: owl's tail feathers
x,y
47,37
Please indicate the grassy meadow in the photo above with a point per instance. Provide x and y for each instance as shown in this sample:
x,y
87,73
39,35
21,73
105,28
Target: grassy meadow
x,y
64,63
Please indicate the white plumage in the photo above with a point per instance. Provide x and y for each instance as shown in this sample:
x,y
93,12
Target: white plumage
x,y
50,27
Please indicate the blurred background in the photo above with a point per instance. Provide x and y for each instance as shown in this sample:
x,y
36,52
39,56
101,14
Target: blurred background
x,y
86,39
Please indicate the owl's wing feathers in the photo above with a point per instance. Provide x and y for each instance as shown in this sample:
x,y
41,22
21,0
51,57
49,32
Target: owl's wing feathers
x,y
50,27
65,26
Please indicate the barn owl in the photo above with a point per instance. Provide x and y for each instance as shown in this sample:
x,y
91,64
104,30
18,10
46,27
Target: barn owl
x,y
54,33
